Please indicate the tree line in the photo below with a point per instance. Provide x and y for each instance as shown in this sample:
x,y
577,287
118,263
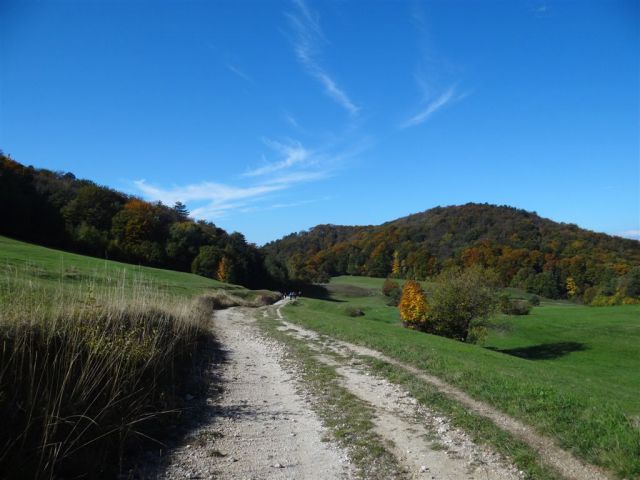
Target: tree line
x,y
554,260
59,210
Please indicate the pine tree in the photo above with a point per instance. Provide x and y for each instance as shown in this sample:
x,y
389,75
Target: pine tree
x,y
181,211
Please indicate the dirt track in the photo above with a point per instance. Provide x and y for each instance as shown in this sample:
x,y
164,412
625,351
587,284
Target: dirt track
x,y
263,428
265,425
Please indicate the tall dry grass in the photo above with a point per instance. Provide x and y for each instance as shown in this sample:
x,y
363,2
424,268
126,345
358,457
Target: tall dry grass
x,y
84,371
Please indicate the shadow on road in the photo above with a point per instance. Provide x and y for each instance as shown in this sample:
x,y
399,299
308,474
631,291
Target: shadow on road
x,y
199,394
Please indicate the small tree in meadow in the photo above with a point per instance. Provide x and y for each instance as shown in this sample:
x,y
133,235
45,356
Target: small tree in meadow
x,y
392,290
461,298
413,306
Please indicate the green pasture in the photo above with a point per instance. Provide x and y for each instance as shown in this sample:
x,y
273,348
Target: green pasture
x,y
571,371
44,268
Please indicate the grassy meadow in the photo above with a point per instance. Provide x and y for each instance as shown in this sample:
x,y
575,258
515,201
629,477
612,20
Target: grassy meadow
x,y
571,371
94,356
49,269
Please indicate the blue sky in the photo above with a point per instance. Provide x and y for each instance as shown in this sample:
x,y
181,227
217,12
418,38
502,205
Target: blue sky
x,y
269,117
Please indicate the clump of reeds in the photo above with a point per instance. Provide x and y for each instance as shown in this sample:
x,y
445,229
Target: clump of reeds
x,y
83,371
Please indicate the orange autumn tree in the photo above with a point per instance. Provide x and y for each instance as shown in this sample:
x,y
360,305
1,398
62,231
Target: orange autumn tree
x,y
413,306
222,271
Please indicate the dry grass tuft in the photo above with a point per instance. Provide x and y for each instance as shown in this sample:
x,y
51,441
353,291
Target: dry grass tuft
x,y
83,372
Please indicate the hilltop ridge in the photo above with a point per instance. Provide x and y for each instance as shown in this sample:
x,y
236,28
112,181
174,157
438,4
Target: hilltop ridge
x,y
526,250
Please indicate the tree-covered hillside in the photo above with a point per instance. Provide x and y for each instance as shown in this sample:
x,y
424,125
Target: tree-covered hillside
x,y
553,259
57,209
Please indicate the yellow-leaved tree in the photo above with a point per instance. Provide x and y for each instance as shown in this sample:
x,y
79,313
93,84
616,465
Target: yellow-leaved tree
x,y
222,272
413,306
395,266
572,287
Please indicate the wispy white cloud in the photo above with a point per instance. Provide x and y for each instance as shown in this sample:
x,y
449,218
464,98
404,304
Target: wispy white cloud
x,y
436,76
432,107
277,206
299,177
239,73
632,234
308,37
293,153
291,120
217,193
218,199
541,10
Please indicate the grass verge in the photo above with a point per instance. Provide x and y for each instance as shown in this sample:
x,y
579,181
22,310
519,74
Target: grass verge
x,y
84,375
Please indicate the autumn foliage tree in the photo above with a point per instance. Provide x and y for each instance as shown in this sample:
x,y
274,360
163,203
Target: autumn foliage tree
x,y
413,306
222,272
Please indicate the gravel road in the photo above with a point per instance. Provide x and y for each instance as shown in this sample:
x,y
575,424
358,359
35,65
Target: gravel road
x,y
264,427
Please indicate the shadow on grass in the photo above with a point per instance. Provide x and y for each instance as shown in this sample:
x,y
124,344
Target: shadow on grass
x,y
319,292
544,351
203,384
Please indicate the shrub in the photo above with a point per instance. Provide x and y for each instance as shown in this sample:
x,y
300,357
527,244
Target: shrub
x,y
459,298
393,291
534,300
389,286
609,300
477,334
221,299
354,312
413,306
514,306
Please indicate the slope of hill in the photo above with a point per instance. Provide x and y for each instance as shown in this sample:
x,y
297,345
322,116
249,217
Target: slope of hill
x,y
130,337
58,210
527,251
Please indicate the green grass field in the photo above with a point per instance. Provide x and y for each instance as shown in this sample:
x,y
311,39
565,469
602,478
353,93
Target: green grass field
x,y
573,372
47,268
128,337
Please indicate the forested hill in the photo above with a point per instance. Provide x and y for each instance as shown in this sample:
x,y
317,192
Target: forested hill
x,y
59,210
549,258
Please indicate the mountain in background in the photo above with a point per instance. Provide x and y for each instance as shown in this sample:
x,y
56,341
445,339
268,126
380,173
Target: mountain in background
x,y
57,209
556,260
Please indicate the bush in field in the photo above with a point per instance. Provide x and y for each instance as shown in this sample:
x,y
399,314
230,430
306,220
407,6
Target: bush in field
x,y
534,300
610,300
461,298
413,306
514,306
392,290
354,312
